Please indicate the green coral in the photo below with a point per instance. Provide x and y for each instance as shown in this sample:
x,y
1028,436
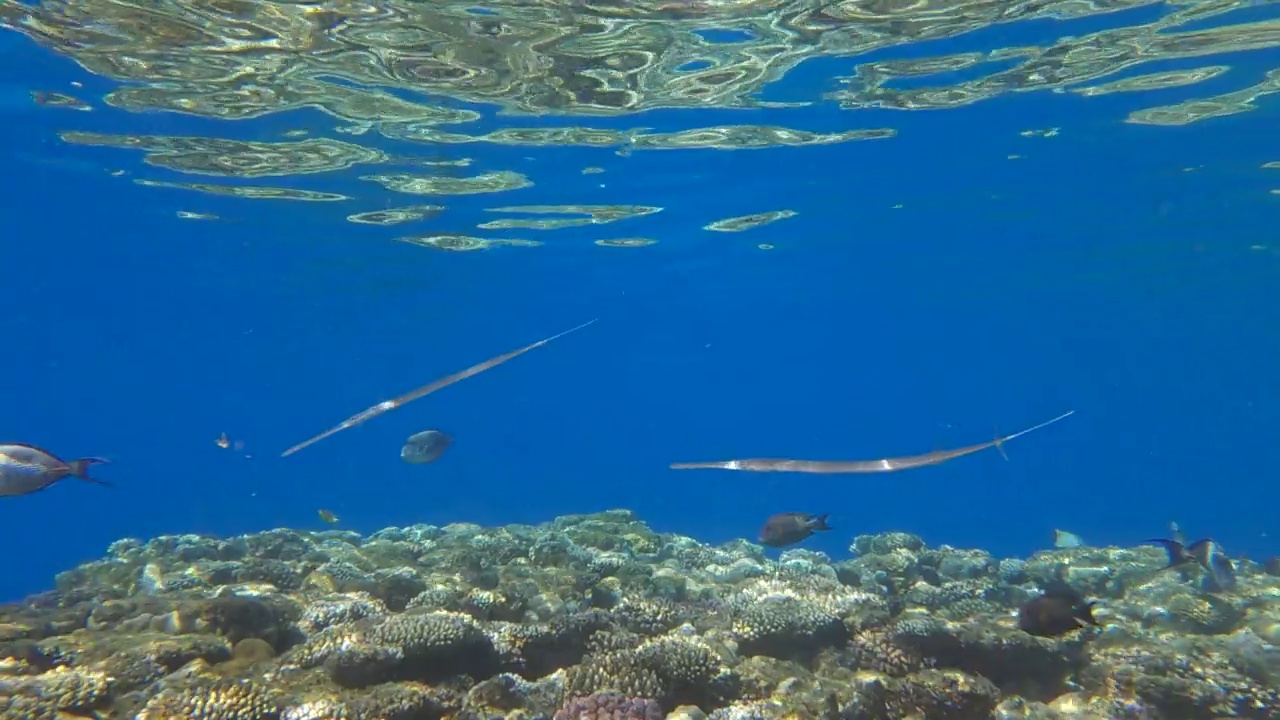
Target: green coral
x,y
409,645
672,670
211,700
61,689
786,627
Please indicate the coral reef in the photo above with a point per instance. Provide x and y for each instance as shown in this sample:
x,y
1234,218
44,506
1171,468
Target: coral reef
x,y
596,617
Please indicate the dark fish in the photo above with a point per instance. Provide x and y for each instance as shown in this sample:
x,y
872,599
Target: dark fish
x,y
389,405
1057,611
327,516
25,469
1206,553
1272,566
790,528
1178,553
858,466
424,447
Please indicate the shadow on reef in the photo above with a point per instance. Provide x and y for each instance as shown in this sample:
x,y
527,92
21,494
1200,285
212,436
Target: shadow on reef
x,y
598,617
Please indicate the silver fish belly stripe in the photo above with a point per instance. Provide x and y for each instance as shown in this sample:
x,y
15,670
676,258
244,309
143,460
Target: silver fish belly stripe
x,y
25,468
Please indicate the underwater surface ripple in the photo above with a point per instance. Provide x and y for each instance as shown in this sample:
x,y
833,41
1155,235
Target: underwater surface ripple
x,y
806,230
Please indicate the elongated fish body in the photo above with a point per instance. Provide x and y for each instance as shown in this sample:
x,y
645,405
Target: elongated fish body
x,y
388,405
25,469
882,465
424,447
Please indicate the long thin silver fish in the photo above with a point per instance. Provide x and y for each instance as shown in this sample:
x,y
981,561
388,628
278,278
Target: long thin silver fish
x,y
858,466
389,405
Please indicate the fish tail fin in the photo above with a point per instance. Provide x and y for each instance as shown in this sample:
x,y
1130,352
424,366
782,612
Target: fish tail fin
x,y
1087,613
1177,553
718,465
559,335
1034,428
80,469
820,522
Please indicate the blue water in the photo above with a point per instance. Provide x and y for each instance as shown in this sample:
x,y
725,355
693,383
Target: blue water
x,y
1094,274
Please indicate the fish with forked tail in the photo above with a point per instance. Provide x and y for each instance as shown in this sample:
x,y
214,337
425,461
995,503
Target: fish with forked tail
x,y
1206,553
25,469
790,528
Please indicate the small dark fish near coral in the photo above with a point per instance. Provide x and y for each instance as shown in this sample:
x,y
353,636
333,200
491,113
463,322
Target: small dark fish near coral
x,y
1206,553
424,447
25,469
1058,611
327,516
790,528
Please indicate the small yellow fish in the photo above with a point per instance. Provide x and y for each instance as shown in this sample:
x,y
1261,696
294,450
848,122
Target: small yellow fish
x,y
327,516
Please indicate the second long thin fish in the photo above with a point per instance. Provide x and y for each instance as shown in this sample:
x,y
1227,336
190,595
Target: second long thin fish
x,y
389,405
858,466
